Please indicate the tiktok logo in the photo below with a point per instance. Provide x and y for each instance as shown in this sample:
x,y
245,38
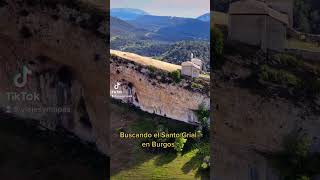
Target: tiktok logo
x,y
20,79
117,85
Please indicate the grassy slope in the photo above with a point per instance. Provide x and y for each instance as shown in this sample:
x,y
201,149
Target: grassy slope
x,y
146,61
166,166
145,165
297,44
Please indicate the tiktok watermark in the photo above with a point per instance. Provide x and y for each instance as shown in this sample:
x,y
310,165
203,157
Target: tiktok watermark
x,y
17,109
23,96
118,93
20,80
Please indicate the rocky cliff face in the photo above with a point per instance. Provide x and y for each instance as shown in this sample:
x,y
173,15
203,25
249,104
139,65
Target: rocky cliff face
x,y
64,45
153,91
251,117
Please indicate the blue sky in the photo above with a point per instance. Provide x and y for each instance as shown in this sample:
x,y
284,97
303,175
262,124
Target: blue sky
x,y
180,8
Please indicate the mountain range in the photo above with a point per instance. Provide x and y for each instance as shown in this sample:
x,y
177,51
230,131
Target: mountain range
x,y
205,17
167,38
127,13
138,23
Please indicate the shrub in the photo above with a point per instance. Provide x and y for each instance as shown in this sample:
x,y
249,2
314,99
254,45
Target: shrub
x,y
297,145
152,68
203,147
179,144
202,112
206,163
278,76
196,86
287,60
175,75
296,161
203,115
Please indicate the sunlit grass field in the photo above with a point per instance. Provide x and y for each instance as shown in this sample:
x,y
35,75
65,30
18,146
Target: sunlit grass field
x,y
137,163
298,44
162,166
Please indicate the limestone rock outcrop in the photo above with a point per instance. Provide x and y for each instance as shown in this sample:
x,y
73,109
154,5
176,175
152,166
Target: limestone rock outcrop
x,y
153,92
248,122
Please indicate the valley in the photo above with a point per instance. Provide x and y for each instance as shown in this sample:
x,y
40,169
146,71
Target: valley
x,y
166,38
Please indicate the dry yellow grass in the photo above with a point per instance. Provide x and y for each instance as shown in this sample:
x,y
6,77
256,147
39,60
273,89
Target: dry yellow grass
x,y
147,61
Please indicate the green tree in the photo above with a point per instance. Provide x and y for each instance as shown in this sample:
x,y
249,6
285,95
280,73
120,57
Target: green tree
x,y
179,144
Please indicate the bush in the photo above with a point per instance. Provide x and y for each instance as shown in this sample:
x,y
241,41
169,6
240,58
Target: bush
x,y
152,69
203,115
287,60
296,161
297,146
278,76
206,163
203,147
175,75
196,86
202,112
179,144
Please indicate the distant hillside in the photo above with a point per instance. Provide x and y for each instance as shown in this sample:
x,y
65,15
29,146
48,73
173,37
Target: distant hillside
x,y
138,46
174,53
127,13
162,28
205,17
190,30
162,37
154,23
122,28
